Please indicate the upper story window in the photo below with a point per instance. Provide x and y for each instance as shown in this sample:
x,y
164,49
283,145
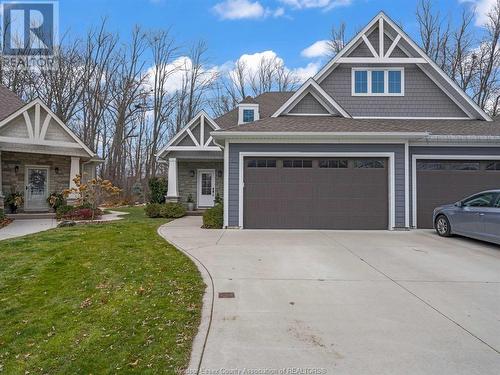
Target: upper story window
x,y
248,115
378,81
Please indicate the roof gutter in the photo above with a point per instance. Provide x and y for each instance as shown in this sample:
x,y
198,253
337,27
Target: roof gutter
x,y
223,135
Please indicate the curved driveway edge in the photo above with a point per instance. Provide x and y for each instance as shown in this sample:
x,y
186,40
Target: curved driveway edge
x,y
170,232
343,302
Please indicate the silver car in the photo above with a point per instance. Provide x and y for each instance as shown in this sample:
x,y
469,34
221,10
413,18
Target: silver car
x,y
477,216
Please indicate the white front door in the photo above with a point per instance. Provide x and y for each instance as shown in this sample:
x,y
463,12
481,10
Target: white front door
x,y
206,187
36,190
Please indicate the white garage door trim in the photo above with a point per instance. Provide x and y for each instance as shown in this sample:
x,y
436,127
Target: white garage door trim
x,y
436,157
391,173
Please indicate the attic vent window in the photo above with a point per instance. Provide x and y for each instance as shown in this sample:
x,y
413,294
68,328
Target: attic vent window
x,y
378,81
248,115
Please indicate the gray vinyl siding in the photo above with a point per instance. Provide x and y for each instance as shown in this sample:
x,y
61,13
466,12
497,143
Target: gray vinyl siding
x,y
430,150
422,98
309,104
236,148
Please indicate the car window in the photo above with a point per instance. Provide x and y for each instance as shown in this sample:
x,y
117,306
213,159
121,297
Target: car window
x,y
480,200
497,203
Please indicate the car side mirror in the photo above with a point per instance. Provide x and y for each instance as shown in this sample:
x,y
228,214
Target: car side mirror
x,y
459,204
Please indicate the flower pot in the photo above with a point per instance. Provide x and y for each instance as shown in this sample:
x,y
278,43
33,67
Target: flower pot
x,y
190,206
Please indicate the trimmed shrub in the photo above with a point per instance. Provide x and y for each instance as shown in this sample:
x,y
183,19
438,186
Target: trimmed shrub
x,y
77,213
63,210
82,214
2,214
157,189
172,210
56,200
152,210
213,218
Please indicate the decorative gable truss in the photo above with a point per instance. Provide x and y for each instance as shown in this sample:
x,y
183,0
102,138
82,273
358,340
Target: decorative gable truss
x,y
36,126
311,100
195,136
384,42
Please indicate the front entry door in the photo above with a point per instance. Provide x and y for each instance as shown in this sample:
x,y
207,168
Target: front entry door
x,y
37,182
206,187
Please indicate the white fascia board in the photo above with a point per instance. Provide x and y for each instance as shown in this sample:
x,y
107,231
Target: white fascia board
x,y
168,146
321,135
381,60
302,91
436,67
38,101
318,77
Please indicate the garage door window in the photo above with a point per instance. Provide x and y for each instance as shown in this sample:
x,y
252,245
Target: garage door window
x,y
369,163
297,163
493,166
333,163
261,163
433,165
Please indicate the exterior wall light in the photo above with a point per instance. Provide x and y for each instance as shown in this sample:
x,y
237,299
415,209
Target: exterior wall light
x,y
191,173
219,173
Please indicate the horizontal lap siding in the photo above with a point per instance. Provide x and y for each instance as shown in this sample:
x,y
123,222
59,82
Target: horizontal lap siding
x,y
236,148
455,151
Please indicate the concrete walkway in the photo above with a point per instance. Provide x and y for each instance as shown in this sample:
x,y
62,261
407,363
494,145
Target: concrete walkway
x,y
19,228
346,302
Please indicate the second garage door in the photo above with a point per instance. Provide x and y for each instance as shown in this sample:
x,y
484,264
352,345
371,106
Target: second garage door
x,y
315,193
442,182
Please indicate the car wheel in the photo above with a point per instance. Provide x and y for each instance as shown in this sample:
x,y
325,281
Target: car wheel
x,y
443,227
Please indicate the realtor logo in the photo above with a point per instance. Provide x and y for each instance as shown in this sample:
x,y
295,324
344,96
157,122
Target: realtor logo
x,y
30,31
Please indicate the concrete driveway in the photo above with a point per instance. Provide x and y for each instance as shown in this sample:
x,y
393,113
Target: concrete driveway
x,y
348,302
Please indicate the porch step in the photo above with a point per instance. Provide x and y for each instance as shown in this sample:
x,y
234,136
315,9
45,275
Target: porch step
x,y
195,213
32,215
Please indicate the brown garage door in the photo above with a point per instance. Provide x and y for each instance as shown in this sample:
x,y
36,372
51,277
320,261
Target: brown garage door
x,y
448,181
315,193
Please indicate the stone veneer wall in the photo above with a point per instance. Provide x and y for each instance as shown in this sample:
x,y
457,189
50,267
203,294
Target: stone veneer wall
x,y
188,185
15,181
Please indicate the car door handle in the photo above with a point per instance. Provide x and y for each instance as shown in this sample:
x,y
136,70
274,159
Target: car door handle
x,y
481,214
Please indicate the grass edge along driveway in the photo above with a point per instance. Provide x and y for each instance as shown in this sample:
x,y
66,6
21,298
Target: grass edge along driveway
x,y
103,298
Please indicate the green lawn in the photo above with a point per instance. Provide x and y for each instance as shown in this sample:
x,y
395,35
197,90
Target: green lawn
x,y
107,298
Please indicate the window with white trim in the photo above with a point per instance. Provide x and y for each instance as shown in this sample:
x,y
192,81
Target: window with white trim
x,y
378,81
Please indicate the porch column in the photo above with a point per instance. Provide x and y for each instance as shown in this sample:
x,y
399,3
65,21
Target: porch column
x,y
1,190
172,192
73,172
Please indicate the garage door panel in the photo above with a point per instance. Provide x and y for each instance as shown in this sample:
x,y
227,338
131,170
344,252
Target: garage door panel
x,y
438,187
316,198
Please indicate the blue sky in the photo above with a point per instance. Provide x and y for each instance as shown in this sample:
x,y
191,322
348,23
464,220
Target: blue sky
x,y
232,28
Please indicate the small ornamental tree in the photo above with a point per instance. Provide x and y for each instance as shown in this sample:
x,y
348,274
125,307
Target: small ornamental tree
x,y
91,193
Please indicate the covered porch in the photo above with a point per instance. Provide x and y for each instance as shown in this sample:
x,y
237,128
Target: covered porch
x,y
195,164
39,155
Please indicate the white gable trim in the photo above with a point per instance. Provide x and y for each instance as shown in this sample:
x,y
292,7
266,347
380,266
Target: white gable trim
x,y
199,145
323,98
37,134
423,59
369,45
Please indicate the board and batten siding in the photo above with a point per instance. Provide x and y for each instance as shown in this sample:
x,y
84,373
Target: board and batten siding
x,y
234,164
447,150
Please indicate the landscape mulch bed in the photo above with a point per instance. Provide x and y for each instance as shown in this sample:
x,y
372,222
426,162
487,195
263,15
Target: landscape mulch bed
x,y
5,222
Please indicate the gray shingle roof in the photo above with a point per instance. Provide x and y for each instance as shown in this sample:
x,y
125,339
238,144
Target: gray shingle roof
x,y
341,124
269,103
9,102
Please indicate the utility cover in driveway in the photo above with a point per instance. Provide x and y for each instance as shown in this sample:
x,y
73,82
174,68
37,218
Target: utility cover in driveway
x,y
334,193
442,182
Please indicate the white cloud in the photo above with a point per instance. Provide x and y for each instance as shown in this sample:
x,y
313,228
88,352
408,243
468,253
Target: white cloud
x,y
317,49
308,71
325,4
483,7
251,63
245,9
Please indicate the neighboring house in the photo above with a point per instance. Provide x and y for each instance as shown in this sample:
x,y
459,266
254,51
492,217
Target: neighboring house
x,y
375,140
39,154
